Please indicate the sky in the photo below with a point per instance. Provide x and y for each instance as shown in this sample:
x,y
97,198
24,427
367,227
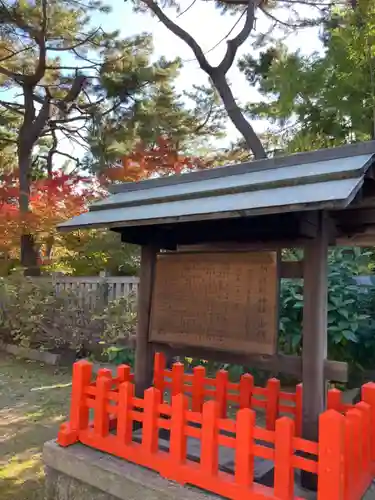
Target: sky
x,y
208,27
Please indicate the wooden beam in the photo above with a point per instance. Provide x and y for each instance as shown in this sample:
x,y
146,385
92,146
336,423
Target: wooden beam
x,y
292,365
233,246
356,217
144,352
314,340
292,269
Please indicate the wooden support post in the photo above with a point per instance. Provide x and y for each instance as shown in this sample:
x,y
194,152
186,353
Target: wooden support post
x,y
143,356
314,341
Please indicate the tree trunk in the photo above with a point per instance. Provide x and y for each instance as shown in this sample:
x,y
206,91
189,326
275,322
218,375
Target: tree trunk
x,y
29,253
236,116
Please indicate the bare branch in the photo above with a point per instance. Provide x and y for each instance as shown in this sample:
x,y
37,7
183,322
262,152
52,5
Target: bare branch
x,y
234,44
200,126
187,9
13,107
16,77
72,119
78,44
75,89
13,54
68,156
225,36
40,39
182,34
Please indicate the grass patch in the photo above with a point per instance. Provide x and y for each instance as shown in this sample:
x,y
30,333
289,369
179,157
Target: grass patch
x,y
34,400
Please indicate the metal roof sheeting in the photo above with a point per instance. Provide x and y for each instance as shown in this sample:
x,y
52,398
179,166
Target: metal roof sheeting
x,y
236,191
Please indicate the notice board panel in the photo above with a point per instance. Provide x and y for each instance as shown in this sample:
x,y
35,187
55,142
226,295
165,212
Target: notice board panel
x,y
226,301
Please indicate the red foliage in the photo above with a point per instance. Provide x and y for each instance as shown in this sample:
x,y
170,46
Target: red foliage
x,y
145,162
51,202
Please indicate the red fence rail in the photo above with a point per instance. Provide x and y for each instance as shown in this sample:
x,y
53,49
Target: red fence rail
x,y
343,458
244,394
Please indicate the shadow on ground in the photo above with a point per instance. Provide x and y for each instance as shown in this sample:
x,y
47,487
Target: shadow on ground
x,y
34,400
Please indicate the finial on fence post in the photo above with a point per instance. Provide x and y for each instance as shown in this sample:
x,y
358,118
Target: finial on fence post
x,y
124,413
101,415
221,392
150,429
334,400
199,376
246,387
177,379
160,364
272,409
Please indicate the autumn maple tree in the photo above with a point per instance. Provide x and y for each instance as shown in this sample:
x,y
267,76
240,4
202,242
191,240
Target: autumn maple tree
x,y
52,200
158,160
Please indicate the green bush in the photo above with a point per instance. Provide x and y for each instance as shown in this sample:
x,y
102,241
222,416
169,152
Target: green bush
x,y
351,312
33,314
119,319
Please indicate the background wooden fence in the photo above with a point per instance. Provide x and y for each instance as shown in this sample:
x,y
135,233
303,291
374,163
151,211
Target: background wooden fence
x,y
93,288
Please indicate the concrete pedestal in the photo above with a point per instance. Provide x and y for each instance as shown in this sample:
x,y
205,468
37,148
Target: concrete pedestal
x,y
81,473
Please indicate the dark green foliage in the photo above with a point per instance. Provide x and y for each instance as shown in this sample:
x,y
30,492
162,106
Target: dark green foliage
x,y
324,99
351,312
120,355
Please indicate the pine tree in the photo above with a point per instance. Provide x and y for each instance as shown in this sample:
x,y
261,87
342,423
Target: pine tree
x,y
57,68
282,15
330,100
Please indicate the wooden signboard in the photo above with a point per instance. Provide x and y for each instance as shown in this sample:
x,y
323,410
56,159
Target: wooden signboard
x,y
226,301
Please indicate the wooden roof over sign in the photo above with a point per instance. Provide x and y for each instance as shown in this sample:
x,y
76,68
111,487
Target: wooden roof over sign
x,y
272,196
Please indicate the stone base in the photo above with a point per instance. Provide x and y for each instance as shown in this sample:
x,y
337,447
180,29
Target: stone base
x,y
81,473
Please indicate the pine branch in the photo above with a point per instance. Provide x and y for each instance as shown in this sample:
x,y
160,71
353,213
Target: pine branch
x,y
89,37
13,54
13,107
181,33
40,38
234,44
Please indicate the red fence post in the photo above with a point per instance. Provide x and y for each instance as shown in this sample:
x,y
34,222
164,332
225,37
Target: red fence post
x,y
272,408
124,413
334,400
348,458
199,375
150,429
246,390
104,373
123,373
365,409
355,417
244,451
160,364
298,411
284,472
368,396
221,392
177,379
178,439
79,411
210,439
331,454
101,416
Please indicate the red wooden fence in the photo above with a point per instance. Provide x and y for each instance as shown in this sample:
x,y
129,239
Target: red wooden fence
x,y
343,458
244,394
